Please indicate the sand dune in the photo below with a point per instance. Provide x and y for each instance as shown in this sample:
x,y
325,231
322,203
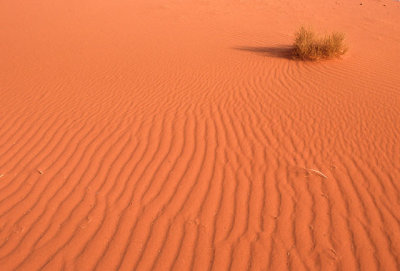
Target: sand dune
x,y
173,135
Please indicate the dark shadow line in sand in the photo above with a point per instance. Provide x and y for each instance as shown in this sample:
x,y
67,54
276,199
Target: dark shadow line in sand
x,y
283,51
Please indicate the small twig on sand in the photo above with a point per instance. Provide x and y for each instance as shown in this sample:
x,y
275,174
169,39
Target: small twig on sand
x,y
319,173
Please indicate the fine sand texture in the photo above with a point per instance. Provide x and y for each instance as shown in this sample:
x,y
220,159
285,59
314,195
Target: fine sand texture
x,y
181,135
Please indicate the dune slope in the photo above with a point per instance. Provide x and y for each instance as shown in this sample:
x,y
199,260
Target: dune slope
x,y
173,135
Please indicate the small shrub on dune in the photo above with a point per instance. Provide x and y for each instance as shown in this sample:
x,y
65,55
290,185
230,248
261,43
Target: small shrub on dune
x,y
308,46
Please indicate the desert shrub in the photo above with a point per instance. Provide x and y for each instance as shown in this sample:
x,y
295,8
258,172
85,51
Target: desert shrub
x,y
308,46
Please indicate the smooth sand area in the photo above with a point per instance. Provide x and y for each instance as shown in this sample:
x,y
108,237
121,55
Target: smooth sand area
x,y
180,135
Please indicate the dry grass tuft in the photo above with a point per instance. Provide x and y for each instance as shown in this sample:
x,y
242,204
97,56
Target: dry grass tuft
x,y
308,46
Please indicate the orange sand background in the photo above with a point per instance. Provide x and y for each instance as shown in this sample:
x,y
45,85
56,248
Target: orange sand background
x,y
177,135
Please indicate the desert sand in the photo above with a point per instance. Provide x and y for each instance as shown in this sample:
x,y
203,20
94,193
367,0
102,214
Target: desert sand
x,y
180,135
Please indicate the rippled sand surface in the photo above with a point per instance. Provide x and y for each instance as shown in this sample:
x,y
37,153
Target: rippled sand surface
x,y
180,135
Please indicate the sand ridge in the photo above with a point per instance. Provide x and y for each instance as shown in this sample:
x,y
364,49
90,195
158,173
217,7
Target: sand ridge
x,y
144,135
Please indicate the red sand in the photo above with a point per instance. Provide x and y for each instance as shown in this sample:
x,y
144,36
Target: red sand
x,y
177,135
